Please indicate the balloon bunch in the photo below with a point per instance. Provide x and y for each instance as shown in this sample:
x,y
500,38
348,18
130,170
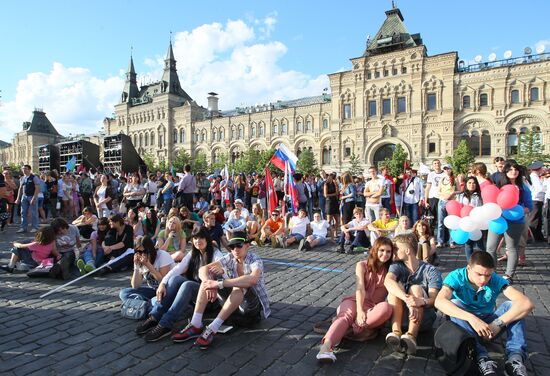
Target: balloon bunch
x,y
466,222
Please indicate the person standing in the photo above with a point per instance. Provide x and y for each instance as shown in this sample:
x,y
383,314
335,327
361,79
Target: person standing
x,y
321,192
448,188
537,194
187,188
413,193
432,189
499,174
28,198
373,193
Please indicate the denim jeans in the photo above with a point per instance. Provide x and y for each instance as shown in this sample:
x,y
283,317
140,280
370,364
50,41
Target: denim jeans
x,y
359,240
411,211
179,293
386,203
89,259
322,203
515,331
25,207
441,214
145,292
469,247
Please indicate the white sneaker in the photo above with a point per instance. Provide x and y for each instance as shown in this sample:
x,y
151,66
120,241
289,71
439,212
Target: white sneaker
x,y
326,357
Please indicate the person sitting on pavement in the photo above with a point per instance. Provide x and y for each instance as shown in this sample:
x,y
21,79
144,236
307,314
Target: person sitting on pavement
x,y
297,228
320,229
178,289
151,224
241,290
426,242
189,220
235,223
403,226
93,256
244,211
354,233
173,239
200,206
32,254
469,297
215,230
119,239
134,220
150,265
367,310
412,287
273,228
67,240
86,223
255,222
384,226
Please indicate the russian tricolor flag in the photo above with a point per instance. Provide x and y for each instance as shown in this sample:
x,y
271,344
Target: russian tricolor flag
x,y
291,189
282,155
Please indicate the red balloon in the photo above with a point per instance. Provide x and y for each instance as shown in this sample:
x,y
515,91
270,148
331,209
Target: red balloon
x,y
508,198
490,194
453,207
510,188
465,211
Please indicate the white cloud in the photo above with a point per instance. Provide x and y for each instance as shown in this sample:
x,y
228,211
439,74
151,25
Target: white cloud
x,y
236,59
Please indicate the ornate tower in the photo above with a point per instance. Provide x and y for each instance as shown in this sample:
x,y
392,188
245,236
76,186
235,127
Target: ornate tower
x,y
130,87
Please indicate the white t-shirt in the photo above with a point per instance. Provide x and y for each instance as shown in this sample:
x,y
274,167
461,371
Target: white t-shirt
x,y
434,179
299,225
163,259
244,214
320,228
354,224
181,267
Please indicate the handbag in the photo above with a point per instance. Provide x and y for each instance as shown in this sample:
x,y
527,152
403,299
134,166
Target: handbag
x,y
135,307
455,349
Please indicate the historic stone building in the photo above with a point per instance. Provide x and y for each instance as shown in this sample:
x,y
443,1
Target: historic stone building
x,y
24,147
393,94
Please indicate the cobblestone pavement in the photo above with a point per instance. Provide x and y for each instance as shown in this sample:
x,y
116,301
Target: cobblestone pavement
x,y
79,331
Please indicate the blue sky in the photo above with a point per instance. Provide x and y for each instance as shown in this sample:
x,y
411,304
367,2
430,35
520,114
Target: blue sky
x,y
68,57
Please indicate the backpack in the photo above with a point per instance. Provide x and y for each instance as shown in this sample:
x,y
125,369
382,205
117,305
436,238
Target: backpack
x,y
135,307
455,348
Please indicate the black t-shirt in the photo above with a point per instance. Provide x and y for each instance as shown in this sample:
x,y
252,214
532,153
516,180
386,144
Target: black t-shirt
x,y
216,234
127,237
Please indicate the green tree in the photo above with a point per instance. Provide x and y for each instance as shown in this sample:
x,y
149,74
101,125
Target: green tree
x,y
200,163
247,162
263,160
223,159
182,158
396,163
307,165
530,149
462,158
149,161
355,165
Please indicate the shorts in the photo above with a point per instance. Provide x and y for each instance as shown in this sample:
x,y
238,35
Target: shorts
x,y
321,239
297,236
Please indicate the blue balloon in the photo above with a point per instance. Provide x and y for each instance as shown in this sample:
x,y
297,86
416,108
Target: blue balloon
x,y
460,236
514,214
498,226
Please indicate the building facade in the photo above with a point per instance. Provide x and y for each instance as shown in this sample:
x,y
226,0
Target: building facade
x,y
393,94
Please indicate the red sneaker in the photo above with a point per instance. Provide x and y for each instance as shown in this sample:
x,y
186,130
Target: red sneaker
x,y
186,333
205,339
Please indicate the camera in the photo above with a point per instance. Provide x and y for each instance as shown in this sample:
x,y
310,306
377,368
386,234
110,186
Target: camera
x,y
411,191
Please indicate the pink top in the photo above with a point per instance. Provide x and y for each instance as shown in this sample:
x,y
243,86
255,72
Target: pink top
x,y
485,184
40,251
375,291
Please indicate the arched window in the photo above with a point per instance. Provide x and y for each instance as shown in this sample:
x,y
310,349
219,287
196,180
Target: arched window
x,y
197,135
299,126
512,141
283,127
275,129
483,100
309,125
135,140
234,133
241,132
146,139
325,123
152,138
175,136
203,136
182,135
140,140
534,94
262,131
514,96
222,134
327,155
161,139
466,101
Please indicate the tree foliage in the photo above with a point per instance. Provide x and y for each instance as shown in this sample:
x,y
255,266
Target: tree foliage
x,y
530,149
462,158
199,163
307,164
149,161
355,165
396,163
181,159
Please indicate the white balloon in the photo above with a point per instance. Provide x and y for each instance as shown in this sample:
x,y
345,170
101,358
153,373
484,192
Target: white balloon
x,y
475,235
477,214
466,224
452,222
483,225
491,211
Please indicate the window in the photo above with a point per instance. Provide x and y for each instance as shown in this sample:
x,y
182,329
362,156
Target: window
x,y
182,135
299,126
483,101
254,131
512,141
325,123
485,143
309,126
241,132
161,140
146,139
466,101
174,136
372,108
403,70
386,73
431,102
347,152
222,134
431,147
369,75
401,105
327,155
347,111
152,138
234,134
283,128
376,74
275,129
534,94
261,130
514,96
394,71
140,140
386,106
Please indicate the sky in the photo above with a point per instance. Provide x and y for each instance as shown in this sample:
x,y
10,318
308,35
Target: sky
x,y
70,57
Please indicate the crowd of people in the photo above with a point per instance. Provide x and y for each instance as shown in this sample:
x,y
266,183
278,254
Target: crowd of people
x,y
191,236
